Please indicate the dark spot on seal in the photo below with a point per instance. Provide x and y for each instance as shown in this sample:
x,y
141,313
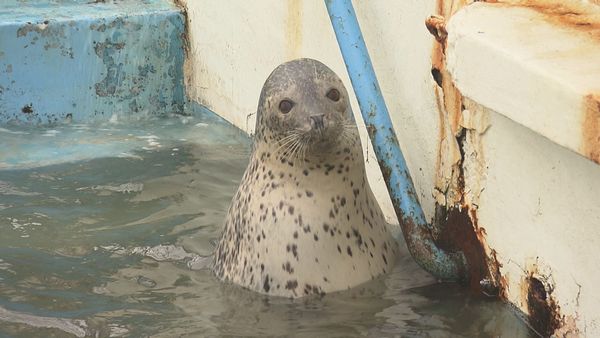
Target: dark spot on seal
x,y
291,284
287,267
266,285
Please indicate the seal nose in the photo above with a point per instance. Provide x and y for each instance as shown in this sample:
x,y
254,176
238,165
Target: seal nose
x,y
316,121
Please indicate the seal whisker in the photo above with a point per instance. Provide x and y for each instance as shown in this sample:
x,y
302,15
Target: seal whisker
x,y
290,150
300,154
305,148
296,149
286,142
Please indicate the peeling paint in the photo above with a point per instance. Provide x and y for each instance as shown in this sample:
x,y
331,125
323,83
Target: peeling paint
x,y
114,72
461,179
460,161
104,59
460,164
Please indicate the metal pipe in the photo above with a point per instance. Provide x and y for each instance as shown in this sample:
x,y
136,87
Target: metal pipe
x,y
417,232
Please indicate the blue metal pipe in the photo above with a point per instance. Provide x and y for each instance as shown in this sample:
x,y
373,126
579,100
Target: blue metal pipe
x,y
417,232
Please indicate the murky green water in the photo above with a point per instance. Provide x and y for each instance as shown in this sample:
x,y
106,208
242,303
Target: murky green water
x,y
105,231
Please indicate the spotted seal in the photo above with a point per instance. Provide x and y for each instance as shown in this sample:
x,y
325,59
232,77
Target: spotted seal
x,y
304,220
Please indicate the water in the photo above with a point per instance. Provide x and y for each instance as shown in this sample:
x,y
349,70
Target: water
x,y
106,229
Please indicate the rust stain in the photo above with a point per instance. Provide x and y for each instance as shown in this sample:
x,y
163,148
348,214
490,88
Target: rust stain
x,y
293,29
544,312
568,328
457,221
447,8
436,25
571,14
457,234
591,128
460,231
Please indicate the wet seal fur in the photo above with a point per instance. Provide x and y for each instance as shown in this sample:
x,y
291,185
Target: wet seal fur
x,y
304,220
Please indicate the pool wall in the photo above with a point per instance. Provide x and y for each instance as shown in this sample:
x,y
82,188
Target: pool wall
x,y
499,127
89,60
496,105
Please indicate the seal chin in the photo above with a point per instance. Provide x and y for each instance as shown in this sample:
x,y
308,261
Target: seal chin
x,y
324,140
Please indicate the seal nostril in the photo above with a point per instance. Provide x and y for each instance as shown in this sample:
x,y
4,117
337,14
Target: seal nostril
x,y
316,121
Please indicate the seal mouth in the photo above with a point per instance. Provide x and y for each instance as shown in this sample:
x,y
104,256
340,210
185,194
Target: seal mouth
x,y
321,137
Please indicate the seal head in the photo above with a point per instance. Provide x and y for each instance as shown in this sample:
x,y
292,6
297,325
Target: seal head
x,y
304,219
303,100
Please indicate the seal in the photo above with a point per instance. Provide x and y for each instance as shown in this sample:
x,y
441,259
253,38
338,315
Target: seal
x,y
304,220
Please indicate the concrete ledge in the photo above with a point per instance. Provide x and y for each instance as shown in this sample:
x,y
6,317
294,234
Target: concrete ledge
x,y
537,64
85,61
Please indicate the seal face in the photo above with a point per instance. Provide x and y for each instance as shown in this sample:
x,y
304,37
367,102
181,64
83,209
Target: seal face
x,y
304,219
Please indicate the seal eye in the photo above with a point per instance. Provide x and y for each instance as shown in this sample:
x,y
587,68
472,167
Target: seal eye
x,y
285,106
333,94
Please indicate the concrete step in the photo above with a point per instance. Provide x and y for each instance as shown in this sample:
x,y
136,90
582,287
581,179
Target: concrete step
x,y
82,60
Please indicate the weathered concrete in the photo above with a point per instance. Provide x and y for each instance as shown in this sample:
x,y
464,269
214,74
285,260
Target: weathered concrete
x,y
85,60
554,65
534,144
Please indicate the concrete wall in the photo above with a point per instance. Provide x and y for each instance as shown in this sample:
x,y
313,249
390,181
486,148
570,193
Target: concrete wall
x,y
229,63
528,200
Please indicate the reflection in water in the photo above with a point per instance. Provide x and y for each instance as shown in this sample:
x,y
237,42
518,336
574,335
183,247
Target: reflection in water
x,y
109,237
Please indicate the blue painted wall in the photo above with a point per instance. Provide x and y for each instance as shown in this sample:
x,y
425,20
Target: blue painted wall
x,y
86,61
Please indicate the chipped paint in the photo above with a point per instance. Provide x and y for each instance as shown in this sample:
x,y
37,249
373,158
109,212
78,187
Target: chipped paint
x,y
460,183
459,147
89,61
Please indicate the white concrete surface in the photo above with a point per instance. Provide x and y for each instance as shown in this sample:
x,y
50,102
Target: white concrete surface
x,y
533,192
539,77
